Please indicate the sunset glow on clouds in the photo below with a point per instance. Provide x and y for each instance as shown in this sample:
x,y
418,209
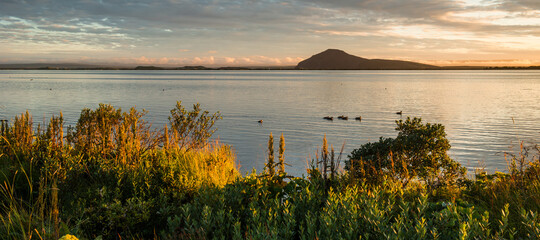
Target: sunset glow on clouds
x,y
211,60
268,32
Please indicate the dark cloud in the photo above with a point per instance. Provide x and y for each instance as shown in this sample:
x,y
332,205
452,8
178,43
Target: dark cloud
x,y
423,9
57,28
152,13
519,5
241,15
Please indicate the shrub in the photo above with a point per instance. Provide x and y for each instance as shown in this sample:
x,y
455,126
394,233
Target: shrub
x,y
109,133
191,129
418,152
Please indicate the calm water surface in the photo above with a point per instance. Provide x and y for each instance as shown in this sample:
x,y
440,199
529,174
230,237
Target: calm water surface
x,y
485,112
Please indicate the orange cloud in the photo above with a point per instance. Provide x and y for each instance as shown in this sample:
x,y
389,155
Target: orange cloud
x,y
480,62
211,61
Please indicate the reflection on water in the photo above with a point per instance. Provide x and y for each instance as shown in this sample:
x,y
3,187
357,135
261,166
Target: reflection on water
x,y
485,112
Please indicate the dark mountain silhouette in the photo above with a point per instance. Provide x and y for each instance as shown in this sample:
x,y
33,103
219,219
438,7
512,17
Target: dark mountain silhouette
x,y
335,59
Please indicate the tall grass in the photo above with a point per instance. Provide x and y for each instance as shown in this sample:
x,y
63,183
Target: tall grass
x,y
518,191
212,165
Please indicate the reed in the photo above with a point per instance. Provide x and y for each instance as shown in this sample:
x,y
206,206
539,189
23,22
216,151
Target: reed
x,y
517,191
213,165
324,169
281,155
270,165
21,214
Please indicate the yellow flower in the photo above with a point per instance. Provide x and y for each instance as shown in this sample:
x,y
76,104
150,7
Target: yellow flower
x,y
68,237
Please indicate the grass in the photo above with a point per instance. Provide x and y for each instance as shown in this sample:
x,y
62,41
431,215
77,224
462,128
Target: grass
x,y
114,177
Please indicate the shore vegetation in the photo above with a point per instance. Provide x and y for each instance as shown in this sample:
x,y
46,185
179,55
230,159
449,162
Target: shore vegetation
x,y
114,176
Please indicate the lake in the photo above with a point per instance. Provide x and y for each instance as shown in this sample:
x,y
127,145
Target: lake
x,y
486,113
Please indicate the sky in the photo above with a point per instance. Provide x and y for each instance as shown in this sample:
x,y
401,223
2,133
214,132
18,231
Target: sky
x,y
268,32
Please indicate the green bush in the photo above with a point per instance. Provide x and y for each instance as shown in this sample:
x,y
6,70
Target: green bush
x,y
418,152
191,129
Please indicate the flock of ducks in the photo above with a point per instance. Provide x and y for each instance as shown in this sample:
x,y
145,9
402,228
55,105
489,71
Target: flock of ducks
x,y
342,117
359,118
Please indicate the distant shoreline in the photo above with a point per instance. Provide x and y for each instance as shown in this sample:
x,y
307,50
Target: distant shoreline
x,y
330,59
258,68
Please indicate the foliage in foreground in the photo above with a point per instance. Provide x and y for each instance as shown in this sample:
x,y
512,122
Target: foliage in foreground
x,y
114,177
109,176
254,209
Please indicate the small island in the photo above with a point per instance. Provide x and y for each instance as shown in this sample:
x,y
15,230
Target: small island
x,y
335,59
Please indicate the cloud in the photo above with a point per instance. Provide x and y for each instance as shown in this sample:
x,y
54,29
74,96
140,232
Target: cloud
x,y
480,62
394,8
206,61
240,32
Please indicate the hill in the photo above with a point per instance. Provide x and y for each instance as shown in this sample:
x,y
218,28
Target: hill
x,y
335,59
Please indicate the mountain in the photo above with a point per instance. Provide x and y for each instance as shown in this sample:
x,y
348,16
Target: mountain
x,y
335,59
